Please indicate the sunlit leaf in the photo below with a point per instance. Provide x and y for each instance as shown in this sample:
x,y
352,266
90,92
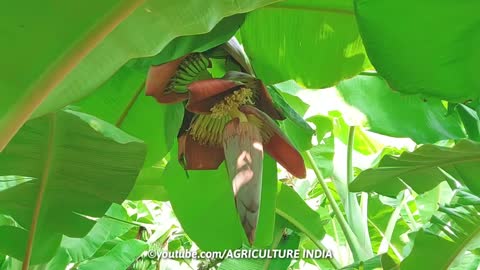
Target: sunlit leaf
x,y
315,43
429,49
399,115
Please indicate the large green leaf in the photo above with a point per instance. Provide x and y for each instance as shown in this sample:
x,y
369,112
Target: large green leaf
x,y
203,203
80,165
447,244
423,169
428,46
61,69
315,43
397,115
183,45
63,34
160,23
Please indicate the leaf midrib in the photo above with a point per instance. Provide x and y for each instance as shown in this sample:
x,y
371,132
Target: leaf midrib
x,y
41,192
129,105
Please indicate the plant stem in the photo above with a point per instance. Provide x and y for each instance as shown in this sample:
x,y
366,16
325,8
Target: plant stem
x,y
352,240
394,249
337,238
364,205
356,214
410,216
351,139
41,193
387,236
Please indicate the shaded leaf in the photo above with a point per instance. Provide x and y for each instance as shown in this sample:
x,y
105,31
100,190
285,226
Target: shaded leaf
x,y
69,31
470,120
297,129
80,165
106,228
203,203
58,262
183,45
120,257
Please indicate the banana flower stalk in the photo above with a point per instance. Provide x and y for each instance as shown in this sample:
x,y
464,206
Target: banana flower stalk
x,y
233,122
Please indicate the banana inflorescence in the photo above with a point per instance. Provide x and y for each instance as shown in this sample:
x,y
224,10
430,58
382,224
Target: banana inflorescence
x,y
188,72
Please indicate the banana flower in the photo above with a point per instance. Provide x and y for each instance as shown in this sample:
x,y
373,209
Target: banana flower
x,y
232,122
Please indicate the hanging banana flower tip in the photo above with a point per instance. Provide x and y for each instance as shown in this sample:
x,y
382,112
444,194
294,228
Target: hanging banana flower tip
x,y
246,134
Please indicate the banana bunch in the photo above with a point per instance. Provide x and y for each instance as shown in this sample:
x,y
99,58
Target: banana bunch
x,y
188,72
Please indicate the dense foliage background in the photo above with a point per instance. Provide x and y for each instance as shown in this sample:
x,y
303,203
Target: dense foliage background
x,y
381,98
